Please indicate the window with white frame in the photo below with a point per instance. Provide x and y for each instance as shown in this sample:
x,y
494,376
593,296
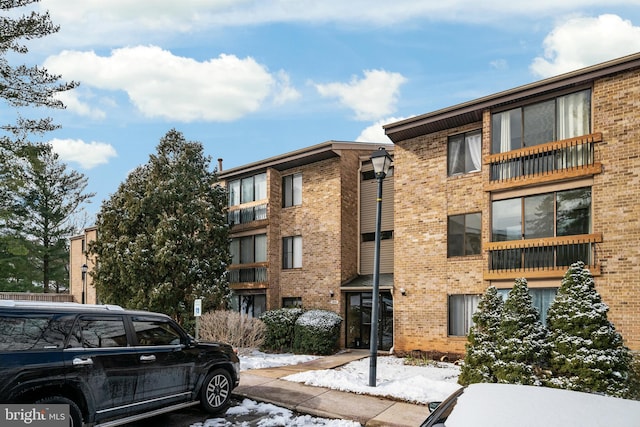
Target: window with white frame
x,y
292,252
461,309
560,118
292,190
464,153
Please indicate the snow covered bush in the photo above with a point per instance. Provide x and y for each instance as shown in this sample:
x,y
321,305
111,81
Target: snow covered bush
x,y
520,343
587,353
481,354
280,325
317,332
231,327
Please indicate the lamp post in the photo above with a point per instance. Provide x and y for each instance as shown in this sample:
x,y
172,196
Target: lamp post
x,y
84,282
381,161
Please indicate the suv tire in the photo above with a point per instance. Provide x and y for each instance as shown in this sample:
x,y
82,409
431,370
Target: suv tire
x,y
216,391
74,410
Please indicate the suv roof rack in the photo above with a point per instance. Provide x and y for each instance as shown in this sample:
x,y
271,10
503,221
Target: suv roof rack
x,y
51,304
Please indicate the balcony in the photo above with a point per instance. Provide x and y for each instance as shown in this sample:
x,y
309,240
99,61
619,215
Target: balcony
x,y
248,273
247,215
543,258
553,161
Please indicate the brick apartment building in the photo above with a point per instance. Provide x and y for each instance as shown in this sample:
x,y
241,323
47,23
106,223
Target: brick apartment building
x,y
302,227
80,264
518,184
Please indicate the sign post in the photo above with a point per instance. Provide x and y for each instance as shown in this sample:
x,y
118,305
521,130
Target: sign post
x,y
197,312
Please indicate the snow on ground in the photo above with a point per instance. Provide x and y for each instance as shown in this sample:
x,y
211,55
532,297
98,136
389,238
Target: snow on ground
x,y
416,384
257,360
274,416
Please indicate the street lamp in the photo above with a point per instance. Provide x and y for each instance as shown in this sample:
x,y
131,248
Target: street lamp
x,y
381,161
84,282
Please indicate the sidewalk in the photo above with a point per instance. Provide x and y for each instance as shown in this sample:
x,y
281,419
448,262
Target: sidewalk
x,y
265,385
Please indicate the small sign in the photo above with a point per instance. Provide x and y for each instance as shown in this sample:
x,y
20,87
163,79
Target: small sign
x,y
197,307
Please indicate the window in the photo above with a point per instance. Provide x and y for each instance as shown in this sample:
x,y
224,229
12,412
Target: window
x,y
464,153
251,305
292,302
292,190
564,117
248,189
541,299
461,309
463,234
292,252
99,333
36,332
562,213
155,332
249,249
371,237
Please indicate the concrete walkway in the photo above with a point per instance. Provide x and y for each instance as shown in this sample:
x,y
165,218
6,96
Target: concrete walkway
x,y
265,385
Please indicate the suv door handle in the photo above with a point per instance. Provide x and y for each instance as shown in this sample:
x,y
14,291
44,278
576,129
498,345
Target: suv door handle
x,y
82,362
149,358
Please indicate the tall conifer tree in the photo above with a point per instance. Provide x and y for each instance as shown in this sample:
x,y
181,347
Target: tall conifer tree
x,y
587,353
163,236
521,339
481,352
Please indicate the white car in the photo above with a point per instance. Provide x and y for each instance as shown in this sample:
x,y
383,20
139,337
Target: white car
x,y
509,405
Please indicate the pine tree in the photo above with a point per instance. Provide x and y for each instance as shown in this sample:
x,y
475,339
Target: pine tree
x,y
51,196
587,353
163,237
481,353
521,342
21,87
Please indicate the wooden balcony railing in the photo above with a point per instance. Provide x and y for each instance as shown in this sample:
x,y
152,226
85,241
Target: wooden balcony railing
x,y
542,163
548,257
247,215
248,273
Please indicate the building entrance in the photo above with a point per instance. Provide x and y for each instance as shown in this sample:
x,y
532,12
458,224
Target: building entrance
x,y
358,320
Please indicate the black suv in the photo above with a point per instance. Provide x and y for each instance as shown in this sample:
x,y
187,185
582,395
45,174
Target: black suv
x,y
111,366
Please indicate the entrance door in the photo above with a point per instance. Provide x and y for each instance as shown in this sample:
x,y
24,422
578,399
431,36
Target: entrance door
x,y
358,320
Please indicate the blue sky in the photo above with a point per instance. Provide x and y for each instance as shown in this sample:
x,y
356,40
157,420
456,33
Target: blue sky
x,y
251,79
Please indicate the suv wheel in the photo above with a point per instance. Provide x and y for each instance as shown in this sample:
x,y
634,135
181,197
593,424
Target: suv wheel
x,y
216,391
74,410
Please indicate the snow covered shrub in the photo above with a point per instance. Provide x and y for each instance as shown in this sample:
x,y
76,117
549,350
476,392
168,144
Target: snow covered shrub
x,y
317,332
587,353
280,325
233,328
520,344
481,355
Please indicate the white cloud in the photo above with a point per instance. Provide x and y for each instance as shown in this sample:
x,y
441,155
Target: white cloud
x,y
161,84
91,20
370,98
72,102
375,132
583,41
87,155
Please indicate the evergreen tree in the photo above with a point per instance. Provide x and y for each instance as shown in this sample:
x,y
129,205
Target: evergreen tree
x,y
587,353
21,87
521,342
51,197
481,353
163,237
